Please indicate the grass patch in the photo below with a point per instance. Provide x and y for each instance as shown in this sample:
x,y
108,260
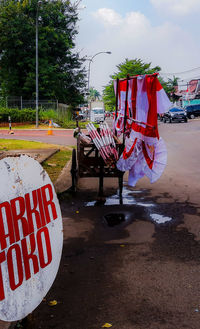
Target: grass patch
x,y
53,165
15,144
26,126
56,163
67,125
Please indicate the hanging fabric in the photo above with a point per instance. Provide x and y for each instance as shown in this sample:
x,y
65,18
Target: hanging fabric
x,y
139,102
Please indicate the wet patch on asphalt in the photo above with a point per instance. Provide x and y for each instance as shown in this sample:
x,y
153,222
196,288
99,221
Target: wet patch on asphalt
x,y
124,218
97,279
149,207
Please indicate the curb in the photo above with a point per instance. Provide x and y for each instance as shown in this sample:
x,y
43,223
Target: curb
x,y
64,181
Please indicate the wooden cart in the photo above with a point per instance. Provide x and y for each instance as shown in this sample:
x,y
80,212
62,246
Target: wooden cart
x,y
87,162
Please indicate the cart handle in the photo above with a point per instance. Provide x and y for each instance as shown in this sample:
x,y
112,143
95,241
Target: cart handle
x,y
143,123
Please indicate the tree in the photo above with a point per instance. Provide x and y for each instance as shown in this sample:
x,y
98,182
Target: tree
x,y
170,86
94,94
131,67
61,75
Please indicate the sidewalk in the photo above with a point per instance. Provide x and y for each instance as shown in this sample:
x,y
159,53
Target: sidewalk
x,y
62,184
38,154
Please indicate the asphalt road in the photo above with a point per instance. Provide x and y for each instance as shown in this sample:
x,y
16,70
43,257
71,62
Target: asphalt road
x,y
144,272
59,137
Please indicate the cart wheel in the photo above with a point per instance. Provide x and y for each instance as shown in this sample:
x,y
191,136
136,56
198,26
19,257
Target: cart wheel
x,y
74,170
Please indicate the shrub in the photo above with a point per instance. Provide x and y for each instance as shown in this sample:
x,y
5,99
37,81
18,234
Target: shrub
x,y
63,118
47,115
24,115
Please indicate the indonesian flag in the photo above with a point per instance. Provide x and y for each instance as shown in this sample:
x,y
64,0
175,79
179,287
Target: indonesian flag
x,y
163,102
151,161
146,98
145,153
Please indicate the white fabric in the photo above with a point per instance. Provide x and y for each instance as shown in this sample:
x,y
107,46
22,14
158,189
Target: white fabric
x,y
136,163
142,103
163,102
160,161
127,164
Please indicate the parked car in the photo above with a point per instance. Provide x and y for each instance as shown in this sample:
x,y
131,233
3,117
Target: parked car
x,y
175,114
192,110
160,117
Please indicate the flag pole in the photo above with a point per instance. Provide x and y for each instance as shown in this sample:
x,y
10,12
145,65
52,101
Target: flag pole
x,y
125,110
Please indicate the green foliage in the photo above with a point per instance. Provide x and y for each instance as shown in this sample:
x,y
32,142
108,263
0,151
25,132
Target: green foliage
x,y
47,115
60,74
94,94
29,116
72,124
25,115
134,67
169,86
131,67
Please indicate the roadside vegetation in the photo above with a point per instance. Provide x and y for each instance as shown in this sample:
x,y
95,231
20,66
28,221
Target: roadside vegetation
x,y
25,118
61,71
53,165
56,163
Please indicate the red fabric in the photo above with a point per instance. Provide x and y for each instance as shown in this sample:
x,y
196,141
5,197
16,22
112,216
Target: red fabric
x,y
126,155
121,87
146,131
147,158
134,96
153,86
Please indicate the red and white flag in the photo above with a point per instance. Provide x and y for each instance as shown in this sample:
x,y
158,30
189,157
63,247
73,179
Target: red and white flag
x,y
146,98
145,153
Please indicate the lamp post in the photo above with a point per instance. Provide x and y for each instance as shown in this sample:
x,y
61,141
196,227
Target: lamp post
x,y
36,62
90,61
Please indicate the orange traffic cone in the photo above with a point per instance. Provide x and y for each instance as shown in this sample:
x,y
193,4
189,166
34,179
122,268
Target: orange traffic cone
x,y
50,129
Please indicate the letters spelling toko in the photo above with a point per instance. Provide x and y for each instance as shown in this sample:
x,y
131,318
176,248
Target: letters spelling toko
x,y
29,215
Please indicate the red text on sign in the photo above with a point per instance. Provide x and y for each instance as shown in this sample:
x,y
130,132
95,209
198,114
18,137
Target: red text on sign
x,y
24,237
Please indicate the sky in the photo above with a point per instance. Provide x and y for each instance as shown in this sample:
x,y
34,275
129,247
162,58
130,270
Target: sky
x,y
161,32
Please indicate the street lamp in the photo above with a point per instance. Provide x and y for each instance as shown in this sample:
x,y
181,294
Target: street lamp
x,y
90,61
36,62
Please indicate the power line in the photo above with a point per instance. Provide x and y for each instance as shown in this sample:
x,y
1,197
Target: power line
x,y
196,77
194,69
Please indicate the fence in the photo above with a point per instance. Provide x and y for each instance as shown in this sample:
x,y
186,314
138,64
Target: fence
x,y
19,102
64,112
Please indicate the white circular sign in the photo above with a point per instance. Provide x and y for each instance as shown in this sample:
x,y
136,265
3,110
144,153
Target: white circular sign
x,y
31,236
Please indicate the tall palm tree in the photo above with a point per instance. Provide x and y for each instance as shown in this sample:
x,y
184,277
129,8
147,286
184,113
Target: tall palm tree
x,y
94,94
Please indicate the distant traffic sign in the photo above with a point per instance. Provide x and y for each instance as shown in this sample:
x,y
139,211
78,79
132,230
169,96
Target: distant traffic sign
x,y
31,236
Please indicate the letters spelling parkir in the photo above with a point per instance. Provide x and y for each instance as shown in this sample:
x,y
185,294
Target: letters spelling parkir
x,y
24,235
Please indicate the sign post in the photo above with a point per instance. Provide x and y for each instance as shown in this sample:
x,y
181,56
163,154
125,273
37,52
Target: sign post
x,y
31,236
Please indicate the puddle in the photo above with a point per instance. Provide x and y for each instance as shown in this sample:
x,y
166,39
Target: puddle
x,y
114,219
160,219
128,199
116,200
145,204
90,204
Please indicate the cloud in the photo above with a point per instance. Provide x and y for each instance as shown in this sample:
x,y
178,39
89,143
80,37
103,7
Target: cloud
x,y
177,7
108,17
134,22
134,36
